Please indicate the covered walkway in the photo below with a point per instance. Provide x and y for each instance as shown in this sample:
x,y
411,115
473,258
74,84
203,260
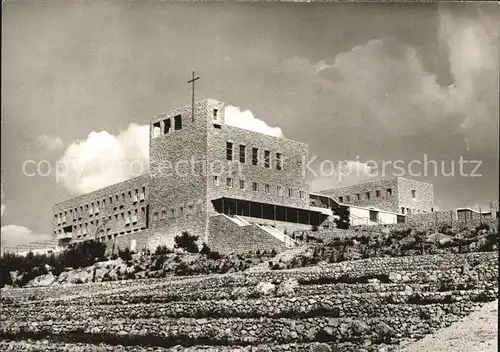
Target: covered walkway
x,y
232,206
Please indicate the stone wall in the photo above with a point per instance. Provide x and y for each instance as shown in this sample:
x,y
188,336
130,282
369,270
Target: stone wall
x,y
424,192
227,237
177,175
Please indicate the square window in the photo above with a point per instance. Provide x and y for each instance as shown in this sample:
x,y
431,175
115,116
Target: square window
x,y
177,122
268,189
156,129
167,126
279,161
242,154
267,158
255,156
229,151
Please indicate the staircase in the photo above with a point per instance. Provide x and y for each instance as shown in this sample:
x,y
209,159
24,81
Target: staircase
x,y
287,240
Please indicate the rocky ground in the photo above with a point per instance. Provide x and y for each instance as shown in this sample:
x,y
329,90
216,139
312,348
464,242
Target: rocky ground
x,y
477,332
377,304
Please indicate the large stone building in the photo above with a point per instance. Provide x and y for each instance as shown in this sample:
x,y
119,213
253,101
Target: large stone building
x,y
398,195
236,189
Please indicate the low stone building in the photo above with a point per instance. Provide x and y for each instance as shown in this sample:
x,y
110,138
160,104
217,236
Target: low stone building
x,y
397,195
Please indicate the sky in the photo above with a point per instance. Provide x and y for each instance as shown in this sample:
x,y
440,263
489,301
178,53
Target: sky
x,y
360,83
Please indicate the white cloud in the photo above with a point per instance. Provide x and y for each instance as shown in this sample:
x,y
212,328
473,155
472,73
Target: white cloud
x,y
245,119
104,159
14,235
49,142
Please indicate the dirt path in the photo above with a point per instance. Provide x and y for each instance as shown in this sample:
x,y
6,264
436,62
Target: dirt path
x,y
474,333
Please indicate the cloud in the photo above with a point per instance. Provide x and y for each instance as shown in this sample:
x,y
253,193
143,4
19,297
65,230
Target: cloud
x,y
14,235
245,119
472,44
104,159
389,105
49,142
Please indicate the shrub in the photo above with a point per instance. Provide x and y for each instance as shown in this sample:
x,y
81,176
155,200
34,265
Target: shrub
x,y
187,242
125,255
482,226
205,250
160,250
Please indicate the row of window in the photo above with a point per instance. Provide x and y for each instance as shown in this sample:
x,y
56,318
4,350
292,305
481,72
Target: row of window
x,y
242,157
129,217
164,127
108,236
257,186
368,195
410,211
94,208
177,212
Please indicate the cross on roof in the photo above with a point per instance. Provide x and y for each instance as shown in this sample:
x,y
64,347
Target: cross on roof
x,y
192,94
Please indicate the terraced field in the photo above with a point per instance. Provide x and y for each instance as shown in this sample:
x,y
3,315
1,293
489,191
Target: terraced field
x,y
365,305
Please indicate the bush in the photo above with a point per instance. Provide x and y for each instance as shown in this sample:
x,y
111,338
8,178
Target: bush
x,y
187,242
160,250
125,255
78,255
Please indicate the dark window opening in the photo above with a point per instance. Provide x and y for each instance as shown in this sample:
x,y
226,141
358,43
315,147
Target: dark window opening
x,y
166,126
267,158
178,122
389,191
242,153
216,114
279,161
229,151
156,129
374,215
255,156
377,194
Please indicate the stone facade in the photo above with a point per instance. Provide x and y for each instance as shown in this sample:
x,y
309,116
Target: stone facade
x,y
189,170
105,214
398,195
